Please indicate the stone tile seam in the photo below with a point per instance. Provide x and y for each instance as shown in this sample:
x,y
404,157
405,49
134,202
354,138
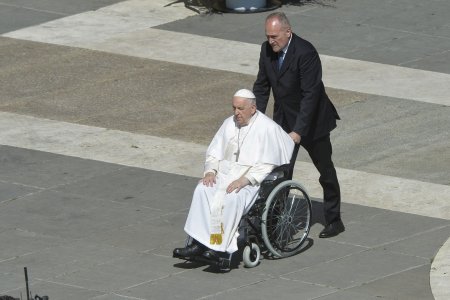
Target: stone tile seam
x,y
324,262
53,280
306,282
55,276
12,290
419,59
5,202
34,9
386,276
120,295
119,168
414,235
336,289
326,295
7,259
359,284
410,32
346,256
363,23
232,289
366,46
119,202
64,284
373,247
22,184
153,280
89,235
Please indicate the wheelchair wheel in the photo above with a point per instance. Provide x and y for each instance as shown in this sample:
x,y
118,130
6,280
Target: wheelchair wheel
x,y
251,255
285,222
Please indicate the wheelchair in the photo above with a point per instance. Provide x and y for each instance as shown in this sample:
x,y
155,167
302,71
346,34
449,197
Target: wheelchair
x,y
277,224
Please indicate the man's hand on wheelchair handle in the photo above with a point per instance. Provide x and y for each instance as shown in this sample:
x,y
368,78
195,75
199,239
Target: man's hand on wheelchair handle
x,y
295,137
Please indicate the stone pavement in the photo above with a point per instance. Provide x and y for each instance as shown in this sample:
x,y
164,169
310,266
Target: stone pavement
x,y
103,131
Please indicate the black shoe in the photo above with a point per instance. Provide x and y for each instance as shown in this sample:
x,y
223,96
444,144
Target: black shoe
x,y
188,251
211,254
332,229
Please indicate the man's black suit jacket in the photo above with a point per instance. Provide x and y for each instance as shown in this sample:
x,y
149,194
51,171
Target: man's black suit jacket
x,y
301,104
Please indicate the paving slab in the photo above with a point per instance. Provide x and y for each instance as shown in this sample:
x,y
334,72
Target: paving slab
x,y
358,269
152,190
275,288
44,170
401,286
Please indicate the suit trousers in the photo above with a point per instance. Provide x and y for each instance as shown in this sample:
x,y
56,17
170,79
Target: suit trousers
x,y
320,151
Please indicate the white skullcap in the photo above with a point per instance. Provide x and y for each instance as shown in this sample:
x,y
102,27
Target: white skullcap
x,y
244,93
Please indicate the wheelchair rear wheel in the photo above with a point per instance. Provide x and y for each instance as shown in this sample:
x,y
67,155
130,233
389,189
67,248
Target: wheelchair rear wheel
x,y
286,219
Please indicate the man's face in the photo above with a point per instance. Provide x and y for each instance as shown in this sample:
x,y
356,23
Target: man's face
x,y
243,110
277,35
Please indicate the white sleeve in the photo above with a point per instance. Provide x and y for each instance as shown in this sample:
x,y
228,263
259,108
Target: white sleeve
x,y
258,173
211,165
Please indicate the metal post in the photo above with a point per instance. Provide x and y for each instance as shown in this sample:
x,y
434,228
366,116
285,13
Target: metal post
x,y
26,282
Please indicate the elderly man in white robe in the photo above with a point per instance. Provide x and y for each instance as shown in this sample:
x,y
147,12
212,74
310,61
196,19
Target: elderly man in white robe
x,y
246,148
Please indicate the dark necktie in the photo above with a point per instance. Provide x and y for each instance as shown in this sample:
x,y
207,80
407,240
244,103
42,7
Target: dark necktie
x,y
280,59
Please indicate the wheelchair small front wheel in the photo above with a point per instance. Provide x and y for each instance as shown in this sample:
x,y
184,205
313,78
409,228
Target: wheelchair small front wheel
x,y
251,255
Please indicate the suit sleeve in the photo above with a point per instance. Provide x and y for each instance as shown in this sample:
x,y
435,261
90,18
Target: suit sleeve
x,y
311,89
261,87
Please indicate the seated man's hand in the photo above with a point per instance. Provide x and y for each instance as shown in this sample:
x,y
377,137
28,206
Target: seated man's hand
x,y
209,179
237,185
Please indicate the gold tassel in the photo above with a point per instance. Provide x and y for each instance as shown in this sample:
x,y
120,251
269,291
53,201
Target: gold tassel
x,y
216,238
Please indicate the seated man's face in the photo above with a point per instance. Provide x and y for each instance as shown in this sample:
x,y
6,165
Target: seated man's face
x,y
243,109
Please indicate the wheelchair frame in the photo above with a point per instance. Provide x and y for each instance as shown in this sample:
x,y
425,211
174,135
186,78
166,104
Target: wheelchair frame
x,y
277,224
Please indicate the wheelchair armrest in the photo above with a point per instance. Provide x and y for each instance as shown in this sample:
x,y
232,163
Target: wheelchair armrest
x,y
277,175
278,172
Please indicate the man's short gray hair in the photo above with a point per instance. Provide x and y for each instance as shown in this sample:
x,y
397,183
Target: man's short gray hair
x,y
281,17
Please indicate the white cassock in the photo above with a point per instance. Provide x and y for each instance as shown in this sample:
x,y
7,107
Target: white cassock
x,y
251,151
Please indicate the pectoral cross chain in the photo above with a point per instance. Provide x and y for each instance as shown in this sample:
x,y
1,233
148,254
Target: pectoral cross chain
x,y
237,154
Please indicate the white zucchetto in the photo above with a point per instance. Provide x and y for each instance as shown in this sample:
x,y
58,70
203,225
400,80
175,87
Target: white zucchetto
x,y
244,93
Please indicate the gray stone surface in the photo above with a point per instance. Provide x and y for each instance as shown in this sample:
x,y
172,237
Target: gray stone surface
x,y
92,230
46,170
110,236
403,286
404,33
376,134
16,14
